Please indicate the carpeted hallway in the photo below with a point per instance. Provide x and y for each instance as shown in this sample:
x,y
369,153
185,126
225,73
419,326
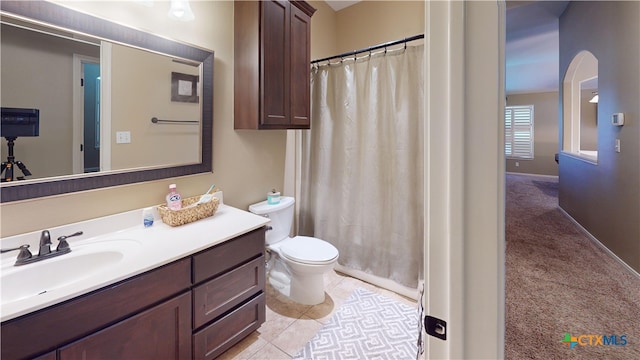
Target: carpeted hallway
x,y
558,281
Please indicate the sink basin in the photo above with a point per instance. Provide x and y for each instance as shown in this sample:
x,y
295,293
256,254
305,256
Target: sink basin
x,y
48,275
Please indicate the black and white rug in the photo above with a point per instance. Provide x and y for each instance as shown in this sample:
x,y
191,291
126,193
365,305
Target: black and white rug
x,y
367,326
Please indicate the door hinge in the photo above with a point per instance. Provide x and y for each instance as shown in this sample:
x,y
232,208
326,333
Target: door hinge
x,y
435,327
81,147
81,82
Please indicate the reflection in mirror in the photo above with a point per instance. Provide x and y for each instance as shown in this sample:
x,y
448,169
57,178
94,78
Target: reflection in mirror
x,y
38,73
141,89
175,82
579,114
37,69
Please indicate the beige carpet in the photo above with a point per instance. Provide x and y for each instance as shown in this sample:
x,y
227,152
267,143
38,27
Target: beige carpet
x,y
559,282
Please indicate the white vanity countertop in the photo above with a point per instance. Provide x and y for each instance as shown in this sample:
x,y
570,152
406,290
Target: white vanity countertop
x,y
159,244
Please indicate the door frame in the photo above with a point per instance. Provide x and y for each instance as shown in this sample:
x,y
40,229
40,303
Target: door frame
x,y
78,110
464,177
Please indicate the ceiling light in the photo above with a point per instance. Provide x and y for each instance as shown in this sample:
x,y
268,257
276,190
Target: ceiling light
x,y
594,99
180,10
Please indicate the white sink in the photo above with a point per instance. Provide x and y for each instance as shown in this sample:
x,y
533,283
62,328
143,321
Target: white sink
x,y
49,275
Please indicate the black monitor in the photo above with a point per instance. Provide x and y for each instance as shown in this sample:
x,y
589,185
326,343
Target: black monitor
x,y
17,122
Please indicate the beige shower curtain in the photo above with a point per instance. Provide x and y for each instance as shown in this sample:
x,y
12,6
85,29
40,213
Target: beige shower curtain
x,y
362,163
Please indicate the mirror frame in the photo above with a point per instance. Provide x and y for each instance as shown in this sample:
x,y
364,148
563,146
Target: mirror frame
x,y
68,19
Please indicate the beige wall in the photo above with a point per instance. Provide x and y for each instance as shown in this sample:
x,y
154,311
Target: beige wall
x,y
545,133
324,31
246,164
375,22
605,198
362,25
588,121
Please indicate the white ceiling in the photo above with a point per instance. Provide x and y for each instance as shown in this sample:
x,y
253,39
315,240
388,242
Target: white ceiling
x,y
338,5
532,49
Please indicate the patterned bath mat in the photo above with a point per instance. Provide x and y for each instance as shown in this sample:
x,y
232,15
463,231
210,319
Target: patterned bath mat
x,y
367,326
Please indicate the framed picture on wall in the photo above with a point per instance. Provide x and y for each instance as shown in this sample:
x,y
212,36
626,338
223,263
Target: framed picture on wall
x,y
184,87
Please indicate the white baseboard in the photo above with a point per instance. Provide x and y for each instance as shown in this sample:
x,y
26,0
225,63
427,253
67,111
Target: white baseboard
x,y
536,175
601,245
379,282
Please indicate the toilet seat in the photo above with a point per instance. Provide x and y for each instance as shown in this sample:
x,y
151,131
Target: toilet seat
x,y
308,250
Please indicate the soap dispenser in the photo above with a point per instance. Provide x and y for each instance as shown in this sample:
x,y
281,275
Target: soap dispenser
x,y
174,200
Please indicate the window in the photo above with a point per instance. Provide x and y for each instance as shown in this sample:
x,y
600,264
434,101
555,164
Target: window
x,y
579,114
518,134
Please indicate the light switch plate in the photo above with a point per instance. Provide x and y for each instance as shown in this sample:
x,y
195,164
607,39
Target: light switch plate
x,y
123,137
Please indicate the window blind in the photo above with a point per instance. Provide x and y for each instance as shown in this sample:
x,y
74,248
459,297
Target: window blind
x,y
518,122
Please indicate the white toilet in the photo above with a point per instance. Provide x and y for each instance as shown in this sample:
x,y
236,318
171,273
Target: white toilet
x,y
297,264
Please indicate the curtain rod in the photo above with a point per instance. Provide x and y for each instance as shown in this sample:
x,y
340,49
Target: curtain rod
x,y
155,120
370,48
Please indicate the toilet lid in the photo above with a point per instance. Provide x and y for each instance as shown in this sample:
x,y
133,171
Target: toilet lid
x,y
309,250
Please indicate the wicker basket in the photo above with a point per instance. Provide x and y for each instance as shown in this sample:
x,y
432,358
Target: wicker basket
x,y
188,215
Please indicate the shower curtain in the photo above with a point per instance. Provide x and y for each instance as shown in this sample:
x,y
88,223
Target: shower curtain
x,y
361,176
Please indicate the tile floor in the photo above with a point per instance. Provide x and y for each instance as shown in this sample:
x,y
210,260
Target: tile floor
x,y
289,326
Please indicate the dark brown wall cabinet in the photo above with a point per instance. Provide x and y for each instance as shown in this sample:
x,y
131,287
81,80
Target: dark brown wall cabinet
x,y
272,56
196,307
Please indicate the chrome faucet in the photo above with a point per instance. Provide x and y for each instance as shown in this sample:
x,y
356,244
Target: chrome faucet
x,y
44,252
24,252
45,243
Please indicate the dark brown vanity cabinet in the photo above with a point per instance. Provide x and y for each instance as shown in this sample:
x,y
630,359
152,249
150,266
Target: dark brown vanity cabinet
x,y
161,332
272,56
196,307
228,294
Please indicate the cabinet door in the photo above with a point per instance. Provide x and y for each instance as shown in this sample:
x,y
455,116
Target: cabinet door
x,y
300,64
162,332
48,356
275,62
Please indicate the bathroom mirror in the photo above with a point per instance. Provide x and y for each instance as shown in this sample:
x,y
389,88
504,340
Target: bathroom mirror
x,y
184,96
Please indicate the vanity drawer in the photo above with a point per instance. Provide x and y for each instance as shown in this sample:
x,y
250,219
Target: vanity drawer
x,y
228,255
216,338
223,293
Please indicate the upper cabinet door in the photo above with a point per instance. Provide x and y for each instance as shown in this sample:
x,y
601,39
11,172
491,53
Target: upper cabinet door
x,y
272,64
276,62
300,65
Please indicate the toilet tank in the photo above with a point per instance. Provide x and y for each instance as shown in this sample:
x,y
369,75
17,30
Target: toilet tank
x,y
281,216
